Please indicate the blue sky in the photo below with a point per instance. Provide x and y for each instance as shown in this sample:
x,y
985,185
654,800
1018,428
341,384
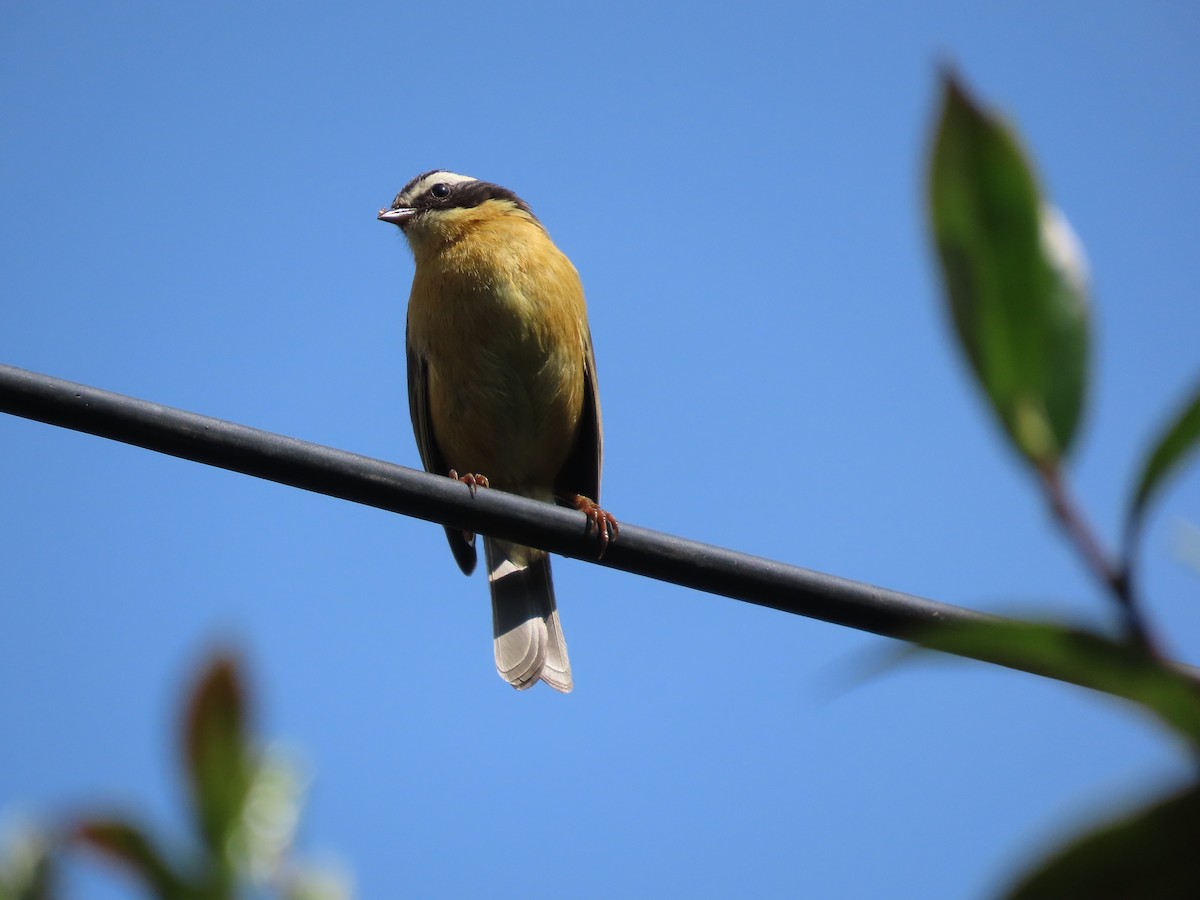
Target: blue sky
x,y
190,197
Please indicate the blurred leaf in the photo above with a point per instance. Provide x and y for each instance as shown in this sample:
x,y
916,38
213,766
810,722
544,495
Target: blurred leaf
x,y
270,817
1014,276
1079,657
1151,853
218,757
127,845
317,884
1177,441
27,871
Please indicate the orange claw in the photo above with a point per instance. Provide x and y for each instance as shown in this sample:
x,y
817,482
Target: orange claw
x,y
606,526
472,481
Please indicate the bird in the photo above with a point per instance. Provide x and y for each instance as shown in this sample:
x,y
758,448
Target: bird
x,y
502,391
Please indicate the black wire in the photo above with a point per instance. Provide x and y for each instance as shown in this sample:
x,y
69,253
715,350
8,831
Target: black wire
x,y
373,482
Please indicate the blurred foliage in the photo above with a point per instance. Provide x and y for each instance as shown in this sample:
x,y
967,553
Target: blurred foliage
x,y
220,764
1083,658
1178,440
245,803
1015,283
1151,853
27,866
1014,276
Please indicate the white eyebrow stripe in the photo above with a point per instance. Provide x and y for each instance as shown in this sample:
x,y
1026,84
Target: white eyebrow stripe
x,y
435,178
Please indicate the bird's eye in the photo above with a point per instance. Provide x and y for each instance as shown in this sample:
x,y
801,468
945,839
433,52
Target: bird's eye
x,y
440,190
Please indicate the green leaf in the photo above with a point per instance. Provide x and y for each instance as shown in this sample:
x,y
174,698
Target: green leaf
x,y
1082,658
28,870
1177,441
127,845
307,883
1014,278
219,763
1151,853
262,842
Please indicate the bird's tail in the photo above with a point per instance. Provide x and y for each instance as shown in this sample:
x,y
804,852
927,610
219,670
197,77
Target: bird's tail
x,y
529,640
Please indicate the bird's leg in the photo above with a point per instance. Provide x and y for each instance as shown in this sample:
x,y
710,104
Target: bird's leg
x,y
470,480
605,525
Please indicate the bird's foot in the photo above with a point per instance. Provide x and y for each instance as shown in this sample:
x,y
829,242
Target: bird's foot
x,y
604,523
474,482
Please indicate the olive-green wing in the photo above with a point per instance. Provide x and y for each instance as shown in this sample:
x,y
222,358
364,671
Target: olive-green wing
x,y
580,474
462,543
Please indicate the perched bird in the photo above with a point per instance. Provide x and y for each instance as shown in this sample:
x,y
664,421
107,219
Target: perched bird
x,y
502,388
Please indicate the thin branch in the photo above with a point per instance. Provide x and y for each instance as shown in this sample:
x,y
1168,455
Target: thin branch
x,y
383,485
1114,578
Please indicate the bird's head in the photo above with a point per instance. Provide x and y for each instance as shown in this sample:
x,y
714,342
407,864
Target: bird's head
x,y
441,203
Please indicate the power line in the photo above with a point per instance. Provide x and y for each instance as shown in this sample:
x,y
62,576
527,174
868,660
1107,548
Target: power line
x,y
372,482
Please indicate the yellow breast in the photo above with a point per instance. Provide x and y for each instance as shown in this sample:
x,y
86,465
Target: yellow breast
x,y
497,311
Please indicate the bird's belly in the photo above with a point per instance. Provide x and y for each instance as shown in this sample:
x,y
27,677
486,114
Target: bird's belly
x,y
507,410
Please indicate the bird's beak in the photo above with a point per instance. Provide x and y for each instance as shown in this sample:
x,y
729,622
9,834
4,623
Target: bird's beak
x,y
397,216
